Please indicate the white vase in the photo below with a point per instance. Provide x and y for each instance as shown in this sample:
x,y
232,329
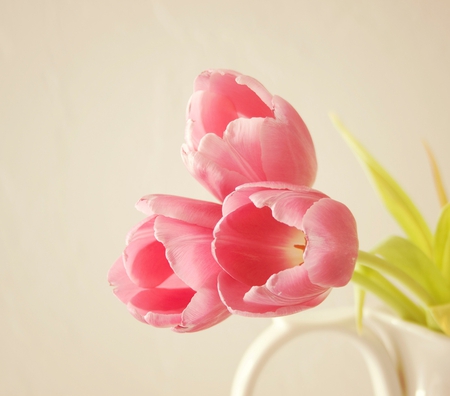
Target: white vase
x,y
403,359
421,356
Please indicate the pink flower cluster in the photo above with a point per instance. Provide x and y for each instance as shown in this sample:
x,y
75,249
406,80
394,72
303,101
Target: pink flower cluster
x,y
273,247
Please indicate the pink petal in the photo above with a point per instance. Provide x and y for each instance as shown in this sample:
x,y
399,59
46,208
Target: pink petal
x,y
124,288
332,246
232,293
288,152
173,282
203,80
257,88
144,257
192,135
144,229
294,285
210,112
266,193
216,179
194,211
235,296
161,307
239,150
204,310
243,139
239,197
287,206
276,185
188,249
250,245
247,103
288,287
225,156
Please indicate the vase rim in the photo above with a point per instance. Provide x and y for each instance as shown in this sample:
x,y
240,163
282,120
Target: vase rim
x,y
398,322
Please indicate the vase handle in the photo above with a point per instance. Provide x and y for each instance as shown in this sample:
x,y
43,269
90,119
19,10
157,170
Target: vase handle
x,y
381,367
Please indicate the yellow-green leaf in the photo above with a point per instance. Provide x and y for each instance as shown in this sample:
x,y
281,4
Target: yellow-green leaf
x,y
440,190
441,314
442,243
394,198
372,281
360,297
407,257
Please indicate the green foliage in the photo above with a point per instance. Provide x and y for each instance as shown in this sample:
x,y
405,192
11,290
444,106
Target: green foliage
x,y
396,201
418,264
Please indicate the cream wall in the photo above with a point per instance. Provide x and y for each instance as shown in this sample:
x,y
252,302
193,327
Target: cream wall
x,y
92,103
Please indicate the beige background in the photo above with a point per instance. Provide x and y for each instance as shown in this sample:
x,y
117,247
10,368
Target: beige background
x,y
92,103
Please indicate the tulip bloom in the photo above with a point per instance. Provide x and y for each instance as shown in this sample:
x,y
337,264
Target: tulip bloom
x,y
237,132
167,275
282,248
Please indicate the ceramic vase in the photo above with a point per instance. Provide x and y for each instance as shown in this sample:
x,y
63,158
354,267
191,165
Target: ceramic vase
x,y
403,359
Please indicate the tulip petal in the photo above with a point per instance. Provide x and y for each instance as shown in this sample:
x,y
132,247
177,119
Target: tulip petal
x,y
239,197
235,295
293,285
247,103
257,88
243,139
287,206
124,288
204,310
217,180
173,282
210,112
285,199
263,296
223,154
286,137
250,245
277,185
144,257
161,307
188,249
193,211
239,150
203,80
261,193
332,243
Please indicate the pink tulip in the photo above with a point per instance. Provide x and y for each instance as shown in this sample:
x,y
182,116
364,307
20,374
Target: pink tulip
x,y
282,248
237,132
167,275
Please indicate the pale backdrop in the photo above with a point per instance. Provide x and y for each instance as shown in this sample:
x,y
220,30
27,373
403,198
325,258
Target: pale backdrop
x,y
92,105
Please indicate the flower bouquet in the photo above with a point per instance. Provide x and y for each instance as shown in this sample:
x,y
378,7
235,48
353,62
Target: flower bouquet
x,y
273,245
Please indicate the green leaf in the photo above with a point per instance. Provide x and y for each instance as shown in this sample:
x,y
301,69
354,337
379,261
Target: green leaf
x,y
432,323
394,198
403,277
442,243
372,281
409,259
440,189
441,314
360,297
